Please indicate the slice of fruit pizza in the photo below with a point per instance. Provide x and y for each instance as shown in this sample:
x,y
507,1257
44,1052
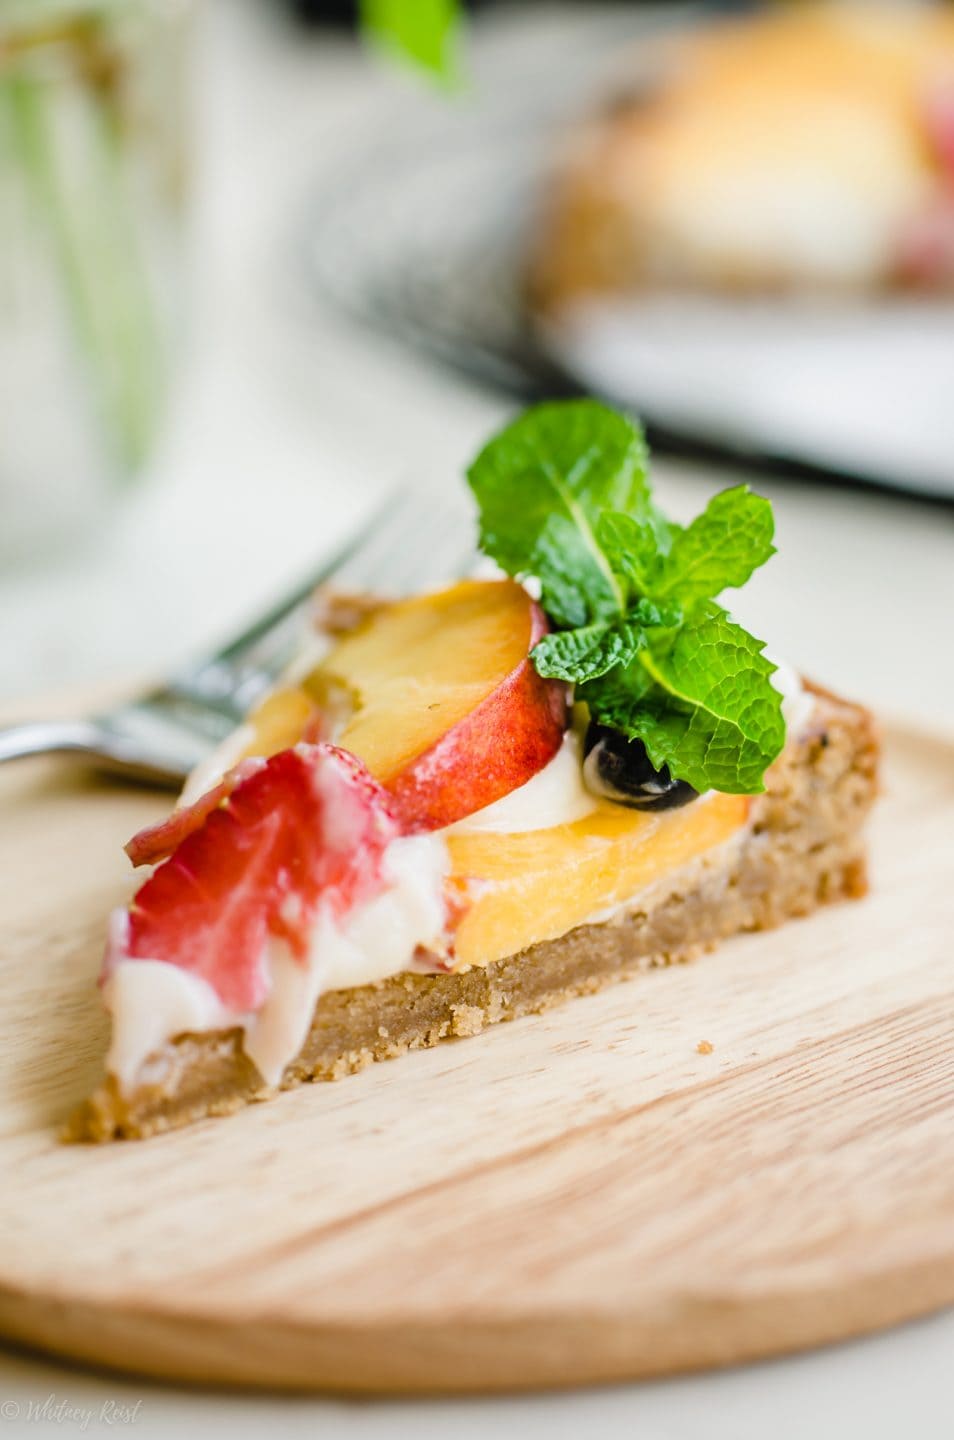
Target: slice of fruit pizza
x,y
482,801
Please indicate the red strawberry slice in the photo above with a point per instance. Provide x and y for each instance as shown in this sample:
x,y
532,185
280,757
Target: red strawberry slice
x,y
938,111
925,251
308,825
157,842
925,255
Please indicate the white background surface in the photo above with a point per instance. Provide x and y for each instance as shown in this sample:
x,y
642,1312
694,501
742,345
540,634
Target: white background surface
x,y
285,427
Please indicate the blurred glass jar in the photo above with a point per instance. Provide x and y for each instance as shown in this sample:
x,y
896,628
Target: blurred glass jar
x,y
92,197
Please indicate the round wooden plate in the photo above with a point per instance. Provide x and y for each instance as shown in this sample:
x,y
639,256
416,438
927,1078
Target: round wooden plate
x,y
588,1195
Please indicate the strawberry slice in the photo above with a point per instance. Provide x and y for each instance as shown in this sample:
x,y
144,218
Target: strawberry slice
x,y
157,842
925,254
938,112
307,826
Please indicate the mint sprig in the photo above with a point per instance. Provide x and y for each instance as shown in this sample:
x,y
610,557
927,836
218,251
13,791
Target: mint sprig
x,y
543,485
564,496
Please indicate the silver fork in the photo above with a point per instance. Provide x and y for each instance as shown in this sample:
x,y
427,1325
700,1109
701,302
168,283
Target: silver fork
x,y
410,542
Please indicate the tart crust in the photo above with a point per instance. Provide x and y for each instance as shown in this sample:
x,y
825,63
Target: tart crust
x,y
802,848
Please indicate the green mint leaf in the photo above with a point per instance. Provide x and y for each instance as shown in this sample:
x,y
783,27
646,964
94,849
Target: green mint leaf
x,y
594,650
426,32
713,715
666,613
541,487
719,550
580,655
613,698
635,545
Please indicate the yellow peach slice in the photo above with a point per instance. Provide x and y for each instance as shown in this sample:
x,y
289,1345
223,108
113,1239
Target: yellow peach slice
x,y
280,720
439,698
536,885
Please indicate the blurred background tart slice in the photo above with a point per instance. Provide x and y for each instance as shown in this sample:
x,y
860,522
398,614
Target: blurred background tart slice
x,y
807,148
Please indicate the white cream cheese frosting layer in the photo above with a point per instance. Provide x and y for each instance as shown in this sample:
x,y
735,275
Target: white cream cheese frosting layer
x,y
151,1000
797,702
556,795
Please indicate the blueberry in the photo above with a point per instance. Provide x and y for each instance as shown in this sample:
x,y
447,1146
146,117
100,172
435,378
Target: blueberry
x,y
619,769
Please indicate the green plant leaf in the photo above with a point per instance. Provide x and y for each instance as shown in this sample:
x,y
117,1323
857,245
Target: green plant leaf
x,y
635,546
705,706
613,698
720,549
579,655
426,32
542,485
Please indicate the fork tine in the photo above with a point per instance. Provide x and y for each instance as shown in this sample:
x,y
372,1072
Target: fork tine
x,y
420,546
365,537
407,543
410,541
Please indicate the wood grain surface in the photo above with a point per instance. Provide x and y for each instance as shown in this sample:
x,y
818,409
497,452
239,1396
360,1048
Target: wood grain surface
x,y
588,1195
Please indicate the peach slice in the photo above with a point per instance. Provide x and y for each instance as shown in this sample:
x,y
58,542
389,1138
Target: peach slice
x,y
282,718
437,695
448,712
537,885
